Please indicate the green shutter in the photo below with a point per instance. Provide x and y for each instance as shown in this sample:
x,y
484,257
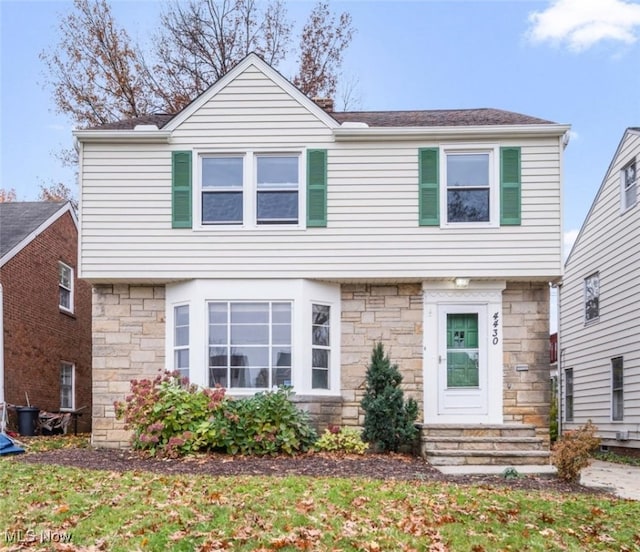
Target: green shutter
x,y
428,188
181,189
510,194
317,188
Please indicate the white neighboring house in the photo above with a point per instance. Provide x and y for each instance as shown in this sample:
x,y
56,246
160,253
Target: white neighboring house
x,y
257,239
599,306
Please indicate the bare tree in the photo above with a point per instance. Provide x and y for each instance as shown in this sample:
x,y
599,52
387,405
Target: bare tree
x,y
322,44
95,72
57,192
98,76
7,196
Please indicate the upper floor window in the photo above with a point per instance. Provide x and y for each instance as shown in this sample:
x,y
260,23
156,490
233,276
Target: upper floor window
x,y
222,183
468,184
67,383
462,186
617,389
252,189
592,297
628,186
65,287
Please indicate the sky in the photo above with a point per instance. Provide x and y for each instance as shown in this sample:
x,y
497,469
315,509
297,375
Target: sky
x,y
568,61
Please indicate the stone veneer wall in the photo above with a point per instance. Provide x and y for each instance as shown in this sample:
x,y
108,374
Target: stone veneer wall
x,y
527,394
391,314
128,343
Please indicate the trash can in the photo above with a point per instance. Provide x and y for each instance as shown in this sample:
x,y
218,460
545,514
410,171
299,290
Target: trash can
x,y
27,419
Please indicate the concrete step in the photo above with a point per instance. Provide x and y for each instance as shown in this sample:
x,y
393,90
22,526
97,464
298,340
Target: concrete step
x,y
478,430
481,443
454,457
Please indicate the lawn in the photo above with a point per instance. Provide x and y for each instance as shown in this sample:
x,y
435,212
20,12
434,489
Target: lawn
x,y
59,508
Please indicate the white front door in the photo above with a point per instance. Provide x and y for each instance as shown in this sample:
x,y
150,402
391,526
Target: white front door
x,y
462,360
463,370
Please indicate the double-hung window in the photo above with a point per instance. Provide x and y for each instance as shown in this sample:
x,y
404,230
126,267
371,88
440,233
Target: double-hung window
x,y
277,182
320,346
592,297
468,185
65,287
222,190
617,389
67,395
628,186
181,340
250,344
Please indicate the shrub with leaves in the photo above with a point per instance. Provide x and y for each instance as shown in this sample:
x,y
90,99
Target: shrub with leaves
x,y
389,420
170,418
572,451
345,440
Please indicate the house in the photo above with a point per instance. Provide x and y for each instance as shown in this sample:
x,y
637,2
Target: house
x,y
256,239
45,311
599,304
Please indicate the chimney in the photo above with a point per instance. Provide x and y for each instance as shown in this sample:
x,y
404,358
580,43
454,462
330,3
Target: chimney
x,y
324,103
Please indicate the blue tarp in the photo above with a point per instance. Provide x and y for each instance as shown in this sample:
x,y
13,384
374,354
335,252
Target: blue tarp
x,y
7,446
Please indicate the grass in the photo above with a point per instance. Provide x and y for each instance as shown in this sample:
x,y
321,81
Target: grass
x,y
52,507
617,458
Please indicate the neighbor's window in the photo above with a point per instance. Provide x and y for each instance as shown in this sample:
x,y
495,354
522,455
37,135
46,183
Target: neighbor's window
x,y
277,189
65,287
67,399
321,346
181,340
592,297
249,344
468,184
222,183
617,384
628,185
568,394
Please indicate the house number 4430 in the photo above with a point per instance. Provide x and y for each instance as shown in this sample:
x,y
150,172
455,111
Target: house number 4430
x,y
494,330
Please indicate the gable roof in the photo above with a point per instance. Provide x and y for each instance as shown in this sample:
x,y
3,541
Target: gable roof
x,y
22,221
397,119
628,130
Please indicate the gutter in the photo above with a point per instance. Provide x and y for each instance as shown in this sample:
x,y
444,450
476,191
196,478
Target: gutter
x,y
357,132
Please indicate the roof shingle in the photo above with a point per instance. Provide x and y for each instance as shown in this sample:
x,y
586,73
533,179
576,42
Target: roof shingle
x,y
18,219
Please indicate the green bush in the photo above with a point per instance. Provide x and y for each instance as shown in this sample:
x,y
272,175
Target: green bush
x,y
389,421
346,440
572,451
169,418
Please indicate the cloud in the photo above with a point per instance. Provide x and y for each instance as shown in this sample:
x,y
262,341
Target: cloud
x,y
581,24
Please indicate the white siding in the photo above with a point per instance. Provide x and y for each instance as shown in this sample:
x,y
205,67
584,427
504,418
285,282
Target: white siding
x,y
372,229
609,243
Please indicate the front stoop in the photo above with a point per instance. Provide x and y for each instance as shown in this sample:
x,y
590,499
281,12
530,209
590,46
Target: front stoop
x,y
471,444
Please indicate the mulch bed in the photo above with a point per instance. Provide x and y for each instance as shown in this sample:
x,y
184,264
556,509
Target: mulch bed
x,y
374,466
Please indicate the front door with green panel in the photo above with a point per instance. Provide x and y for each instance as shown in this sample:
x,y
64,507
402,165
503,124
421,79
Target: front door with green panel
x,y
462,373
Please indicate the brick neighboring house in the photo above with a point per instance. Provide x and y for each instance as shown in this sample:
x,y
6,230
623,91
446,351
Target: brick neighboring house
x,y
45,319
258,238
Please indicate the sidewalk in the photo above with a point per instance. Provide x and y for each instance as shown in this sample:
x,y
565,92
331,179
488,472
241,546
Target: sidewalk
x,y
622,479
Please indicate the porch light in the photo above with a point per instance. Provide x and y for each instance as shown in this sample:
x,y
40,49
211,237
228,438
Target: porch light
x,y
461,283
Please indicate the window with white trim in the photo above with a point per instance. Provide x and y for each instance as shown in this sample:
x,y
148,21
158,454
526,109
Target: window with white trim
x,y
628,186
470,186
617,389
249,336
249,344
181,340
65,287
250,188
592,297
67,386
320,346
